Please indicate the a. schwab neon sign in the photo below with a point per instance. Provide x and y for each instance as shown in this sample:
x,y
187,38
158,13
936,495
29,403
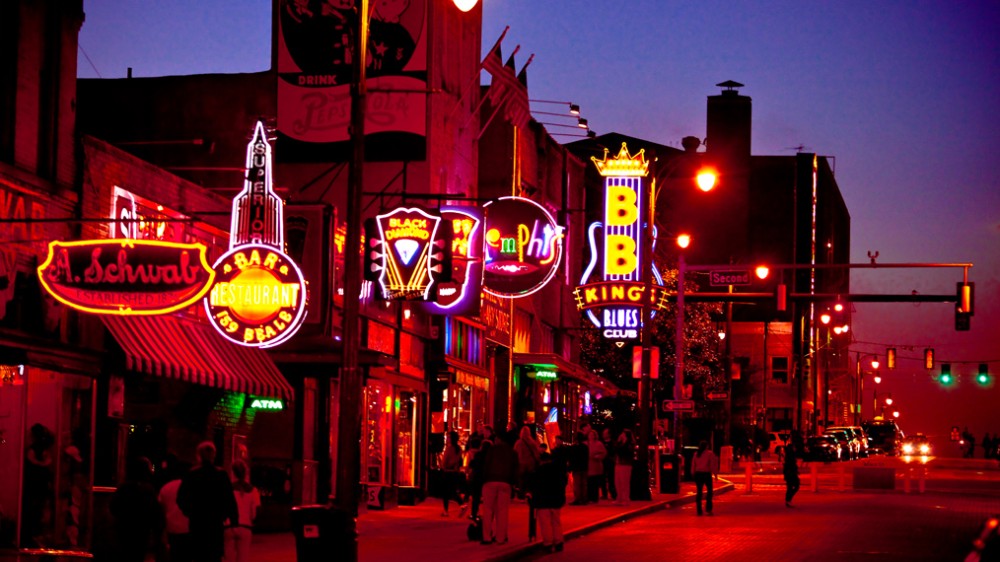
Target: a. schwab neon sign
x,y
613,299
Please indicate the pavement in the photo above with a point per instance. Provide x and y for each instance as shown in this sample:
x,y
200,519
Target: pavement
x,y
420,532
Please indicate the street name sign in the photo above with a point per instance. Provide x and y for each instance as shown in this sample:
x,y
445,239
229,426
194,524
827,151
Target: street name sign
x,y
678,405
717,396
729,277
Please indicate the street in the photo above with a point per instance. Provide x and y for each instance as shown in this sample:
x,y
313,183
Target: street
x,y
821,526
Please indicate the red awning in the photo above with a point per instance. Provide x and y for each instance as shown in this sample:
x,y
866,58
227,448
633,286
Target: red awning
x,y
173,347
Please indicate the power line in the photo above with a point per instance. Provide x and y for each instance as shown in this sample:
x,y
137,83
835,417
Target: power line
x,y
86,56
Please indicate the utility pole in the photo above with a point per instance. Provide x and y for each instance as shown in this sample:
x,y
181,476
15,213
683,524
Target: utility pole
x,y
349,423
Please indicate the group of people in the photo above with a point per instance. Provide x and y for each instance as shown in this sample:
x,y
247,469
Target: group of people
x,y
494,469
991,445
198,515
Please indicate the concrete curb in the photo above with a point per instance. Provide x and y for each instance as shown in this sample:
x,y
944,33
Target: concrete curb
x,y
536,546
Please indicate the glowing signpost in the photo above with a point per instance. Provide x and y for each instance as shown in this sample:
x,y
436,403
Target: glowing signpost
x,y
259,299
126,277
460,295
613,289
523,247
406,252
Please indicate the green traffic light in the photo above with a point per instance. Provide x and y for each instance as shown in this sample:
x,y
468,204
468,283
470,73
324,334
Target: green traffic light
x,y
945,378
982,378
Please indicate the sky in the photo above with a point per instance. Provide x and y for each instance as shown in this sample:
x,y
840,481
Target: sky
x,y
900,95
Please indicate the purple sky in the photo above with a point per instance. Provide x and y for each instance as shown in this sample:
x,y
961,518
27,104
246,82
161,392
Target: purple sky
x,y
902,94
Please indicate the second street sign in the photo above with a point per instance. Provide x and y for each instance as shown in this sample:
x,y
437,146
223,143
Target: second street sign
x,y
731,277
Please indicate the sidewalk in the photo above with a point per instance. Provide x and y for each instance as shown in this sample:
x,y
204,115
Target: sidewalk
x,y
420,533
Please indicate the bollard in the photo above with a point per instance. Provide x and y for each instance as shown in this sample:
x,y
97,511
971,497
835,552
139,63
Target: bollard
x,y
749,478
814,472
906,480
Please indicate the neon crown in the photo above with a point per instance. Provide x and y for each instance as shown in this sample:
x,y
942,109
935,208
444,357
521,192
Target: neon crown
x,y
624,164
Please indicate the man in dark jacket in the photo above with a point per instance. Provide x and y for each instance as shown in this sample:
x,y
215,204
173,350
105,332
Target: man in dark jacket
x,y
578,459
499,475
548,495
206,498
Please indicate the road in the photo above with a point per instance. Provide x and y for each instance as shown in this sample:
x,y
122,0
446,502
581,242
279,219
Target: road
x,y
825,526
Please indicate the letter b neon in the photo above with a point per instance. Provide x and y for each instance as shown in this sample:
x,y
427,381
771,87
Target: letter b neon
x,y
621,206
619,254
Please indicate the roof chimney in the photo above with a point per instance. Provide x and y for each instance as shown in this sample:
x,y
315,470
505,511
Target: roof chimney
x,y
728,127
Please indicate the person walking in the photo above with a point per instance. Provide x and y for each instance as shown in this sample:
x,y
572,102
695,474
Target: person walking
x,y
138,520
790,468
608,484
578,468
499,476
206,497
529,453
624,449
987,445
239,536
704,466
176,523
595,466
451,464
548,495
477,472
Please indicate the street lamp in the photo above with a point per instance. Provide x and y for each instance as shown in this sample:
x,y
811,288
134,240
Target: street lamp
x,y
861,380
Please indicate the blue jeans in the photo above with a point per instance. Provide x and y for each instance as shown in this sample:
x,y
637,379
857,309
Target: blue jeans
x,y
703,480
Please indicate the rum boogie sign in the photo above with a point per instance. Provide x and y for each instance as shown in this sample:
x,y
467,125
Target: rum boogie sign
x,y
125,276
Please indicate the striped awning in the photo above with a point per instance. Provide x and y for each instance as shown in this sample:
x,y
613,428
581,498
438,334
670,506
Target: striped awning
x,y
176,348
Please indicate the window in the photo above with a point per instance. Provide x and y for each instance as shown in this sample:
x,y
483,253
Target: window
x,y
779,370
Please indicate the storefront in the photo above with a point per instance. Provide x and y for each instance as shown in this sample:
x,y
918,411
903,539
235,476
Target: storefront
x,y
392,430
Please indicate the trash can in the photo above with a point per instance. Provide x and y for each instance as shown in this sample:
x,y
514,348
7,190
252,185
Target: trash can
x,y
670,473
321,530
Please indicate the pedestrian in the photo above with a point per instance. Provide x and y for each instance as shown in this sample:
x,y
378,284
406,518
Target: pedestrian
x,y
608,483
499,476
477,466
578,468
790,468
548,495
624,449
528,455
987,445
36,505
971,451
453,475
176,523
704,466
206,497
239,535
138,520
595,466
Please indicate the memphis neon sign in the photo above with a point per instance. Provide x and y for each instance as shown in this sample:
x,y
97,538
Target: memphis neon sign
x,y
126,277
523,247
613,298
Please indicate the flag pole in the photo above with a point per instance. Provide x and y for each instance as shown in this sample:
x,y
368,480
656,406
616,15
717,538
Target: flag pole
x,y
475,78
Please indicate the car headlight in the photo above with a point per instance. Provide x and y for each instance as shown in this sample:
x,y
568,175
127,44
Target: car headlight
x,y
908,449
925,449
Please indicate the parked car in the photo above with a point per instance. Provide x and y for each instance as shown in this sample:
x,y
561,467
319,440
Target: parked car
x,y
848,446
823,448
859,434
883,436
916,444
778,441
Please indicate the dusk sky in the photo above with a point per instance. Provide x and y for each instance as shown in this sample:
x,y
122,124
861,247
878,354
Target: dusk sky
x,y
901,95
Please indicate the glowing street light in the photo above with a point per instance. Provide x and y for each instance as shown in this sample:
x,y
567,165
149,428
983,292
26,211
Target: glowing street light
x,y
706,179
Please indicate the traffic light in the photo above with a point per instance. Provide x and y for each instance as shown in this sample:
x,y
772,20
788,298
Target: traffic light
x,y
929,358
782,296
890,358
945,378
984,374
965,296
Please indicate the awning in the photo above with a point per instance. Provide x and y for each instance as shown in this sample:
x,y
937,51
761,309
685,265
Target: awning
x,y
568,369
176,348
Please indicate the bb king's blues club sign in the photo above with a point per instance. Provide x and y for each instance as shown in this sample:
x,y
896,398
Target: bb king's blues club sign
x,y
612,290
259,296
523,247
407,251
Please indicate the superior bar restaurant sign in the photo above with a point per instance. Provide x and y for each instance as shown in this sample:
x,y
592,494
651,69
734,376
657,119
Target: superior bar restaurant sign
x,y
125,276
259,298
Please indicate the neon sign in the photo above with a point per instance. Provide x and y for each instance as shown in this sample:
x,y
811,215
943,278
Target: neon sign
x,y
460,295
407,252
613,300
126,277
523,247
259,297
267,404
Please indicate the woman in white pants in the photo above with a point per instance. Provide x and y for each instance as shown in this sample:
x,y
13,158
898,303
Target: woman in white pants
x,y
624,456
237,537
